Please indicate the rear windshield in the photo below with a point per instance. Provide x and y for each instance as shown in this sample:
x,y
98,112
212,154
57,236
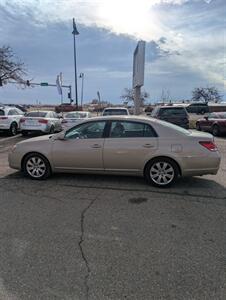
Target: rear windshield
x,y
175,127
115,112
76,115
2,113
173,111
36,114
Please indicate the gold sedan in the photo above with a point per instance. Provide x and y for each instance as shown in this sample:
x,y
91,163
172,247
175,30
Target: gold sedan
x,y
128,145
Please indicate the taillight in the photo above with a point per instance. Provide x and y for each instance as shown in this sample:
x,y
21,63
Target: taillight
x,y
64,121
211,146
3,118
22,120
43,121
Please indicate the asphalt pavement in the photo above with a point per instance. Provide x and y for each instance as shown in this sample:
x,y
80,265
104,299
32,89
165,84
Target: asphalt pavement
x,y
107,237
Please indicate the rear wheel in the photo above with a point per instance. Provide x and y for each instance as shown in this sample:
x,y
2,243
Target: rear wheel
x,y
36,166
13,129
198,127
161,172
52,130
216,130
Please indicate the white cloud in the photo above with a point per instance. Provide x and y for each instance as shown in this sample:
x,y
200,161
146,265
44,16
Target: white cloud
x,y
200,53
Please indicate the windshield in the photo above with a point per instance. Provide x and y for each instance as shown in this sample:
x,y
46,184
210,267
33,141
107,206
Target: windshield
x,y
36,114
111,112
76,115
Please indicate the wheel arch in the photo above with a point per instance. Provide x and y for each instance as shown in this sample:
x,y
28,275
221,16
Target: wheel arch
x,y
163,157
34,152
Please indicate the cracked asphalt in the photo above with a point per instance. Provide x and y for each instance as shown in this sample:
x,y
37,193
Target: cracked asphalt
x,y
78,237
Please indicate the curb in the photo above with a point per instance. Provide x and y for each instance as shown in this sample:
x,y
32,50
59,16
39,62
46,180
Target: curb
x,y
10,138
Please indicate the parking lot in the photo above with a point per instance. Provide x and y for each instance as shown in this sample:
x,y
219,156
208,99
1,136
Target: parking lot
x,y
107,237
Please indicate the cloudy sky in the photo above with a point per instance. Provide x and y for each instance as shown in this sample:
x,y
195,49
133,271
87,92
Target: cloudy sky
x,y
186,45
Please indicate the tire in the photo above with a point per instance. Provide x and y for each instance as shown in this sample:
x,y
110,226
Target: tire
x,y
198,127
161,172
36,166
51,130
13,129
216,130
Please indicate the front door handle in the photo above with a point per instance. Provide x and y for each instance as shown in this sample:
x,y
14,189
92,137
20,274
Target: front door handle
x,y
96,146
148,146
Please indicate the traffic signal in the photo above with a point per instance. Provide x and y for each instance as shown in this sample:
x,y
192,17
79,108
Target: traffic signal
x,y
28,83
69,95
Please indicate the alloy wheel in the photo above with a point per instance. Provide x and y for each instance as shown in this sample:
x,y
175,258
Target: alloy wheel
x,y
162,173
35,167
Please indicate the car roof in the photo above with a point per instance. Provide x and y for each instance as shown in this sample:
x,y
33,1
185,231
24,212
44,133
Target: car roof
x,y
116,108
123,118
171,106
40,111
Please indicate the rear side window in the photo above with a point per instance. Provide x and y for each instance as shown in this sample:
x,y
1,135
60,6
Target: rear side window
x,y
115,112
172,112
2,113
36,114
125,129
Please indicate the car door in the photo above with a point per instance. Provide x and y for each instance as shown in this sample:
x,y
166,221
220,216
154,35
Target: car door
x,y
81,149
208,123
128,146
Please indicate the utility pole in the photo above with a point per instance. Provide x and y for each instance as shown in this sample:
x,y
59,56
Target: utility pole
x,y
75,32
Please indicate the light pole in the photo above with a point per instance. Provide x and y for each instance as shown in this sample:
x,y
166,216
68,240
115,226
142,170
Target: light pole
x,y
82,88
75,32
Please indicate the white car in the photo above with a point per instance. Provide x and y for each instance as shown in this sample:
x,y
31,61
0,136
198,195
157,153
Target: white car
x,y
74,117
116,111
40,122
10,119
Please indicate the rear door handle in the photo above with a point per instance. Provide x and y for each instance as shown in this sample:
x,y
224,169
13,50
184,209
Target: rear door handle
x,y
148,146
96,146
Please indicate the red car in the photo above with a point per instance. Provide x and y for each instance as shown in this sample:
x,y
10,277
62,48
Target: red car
x,y
214,123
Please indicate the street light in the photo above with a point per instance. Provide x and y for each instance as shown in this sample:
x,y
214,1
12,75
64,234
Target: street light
x,y
75,32
82,76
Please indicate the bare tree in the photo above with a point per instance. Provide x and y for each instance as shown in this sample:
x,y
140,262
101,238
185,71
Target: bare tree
x,y
11,68
208,94
128,95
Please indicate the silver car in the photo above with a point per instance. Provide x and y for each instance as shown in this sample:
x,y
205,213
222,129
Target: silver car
x,y
40,122
74,117
157,150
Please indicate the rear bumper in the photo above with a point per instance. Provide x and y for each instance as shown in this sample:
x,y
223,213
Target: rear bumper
x,y
197,166
43,128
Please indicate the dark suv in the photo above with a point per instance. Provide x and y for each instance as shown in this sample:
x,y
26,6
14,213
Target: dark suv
x,y
173,114
198,108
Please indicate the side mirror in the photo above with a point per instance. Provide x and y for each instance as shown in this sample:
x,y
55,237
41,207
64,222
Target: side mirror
x,y
206,118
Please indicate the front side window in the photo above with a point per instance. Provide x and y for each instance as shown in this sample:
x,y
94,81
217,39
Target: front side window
x,y
126,129
92,130
12,112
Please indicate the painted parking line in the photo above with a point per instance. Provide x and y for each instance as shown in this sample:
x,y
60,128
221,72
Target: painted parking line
x,y
10,138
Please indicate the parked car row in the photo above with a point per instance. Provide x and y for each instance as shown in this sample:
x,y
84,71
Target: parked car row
x,y
13,120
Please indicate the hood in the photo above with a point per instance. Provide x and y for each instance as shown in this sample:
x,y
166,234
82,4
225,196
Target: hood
x,y
37,139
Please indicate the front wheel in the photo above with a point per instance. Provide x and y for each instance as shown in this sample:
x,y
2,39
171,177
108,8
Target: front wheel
x,y
36,166
161,172
216,130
